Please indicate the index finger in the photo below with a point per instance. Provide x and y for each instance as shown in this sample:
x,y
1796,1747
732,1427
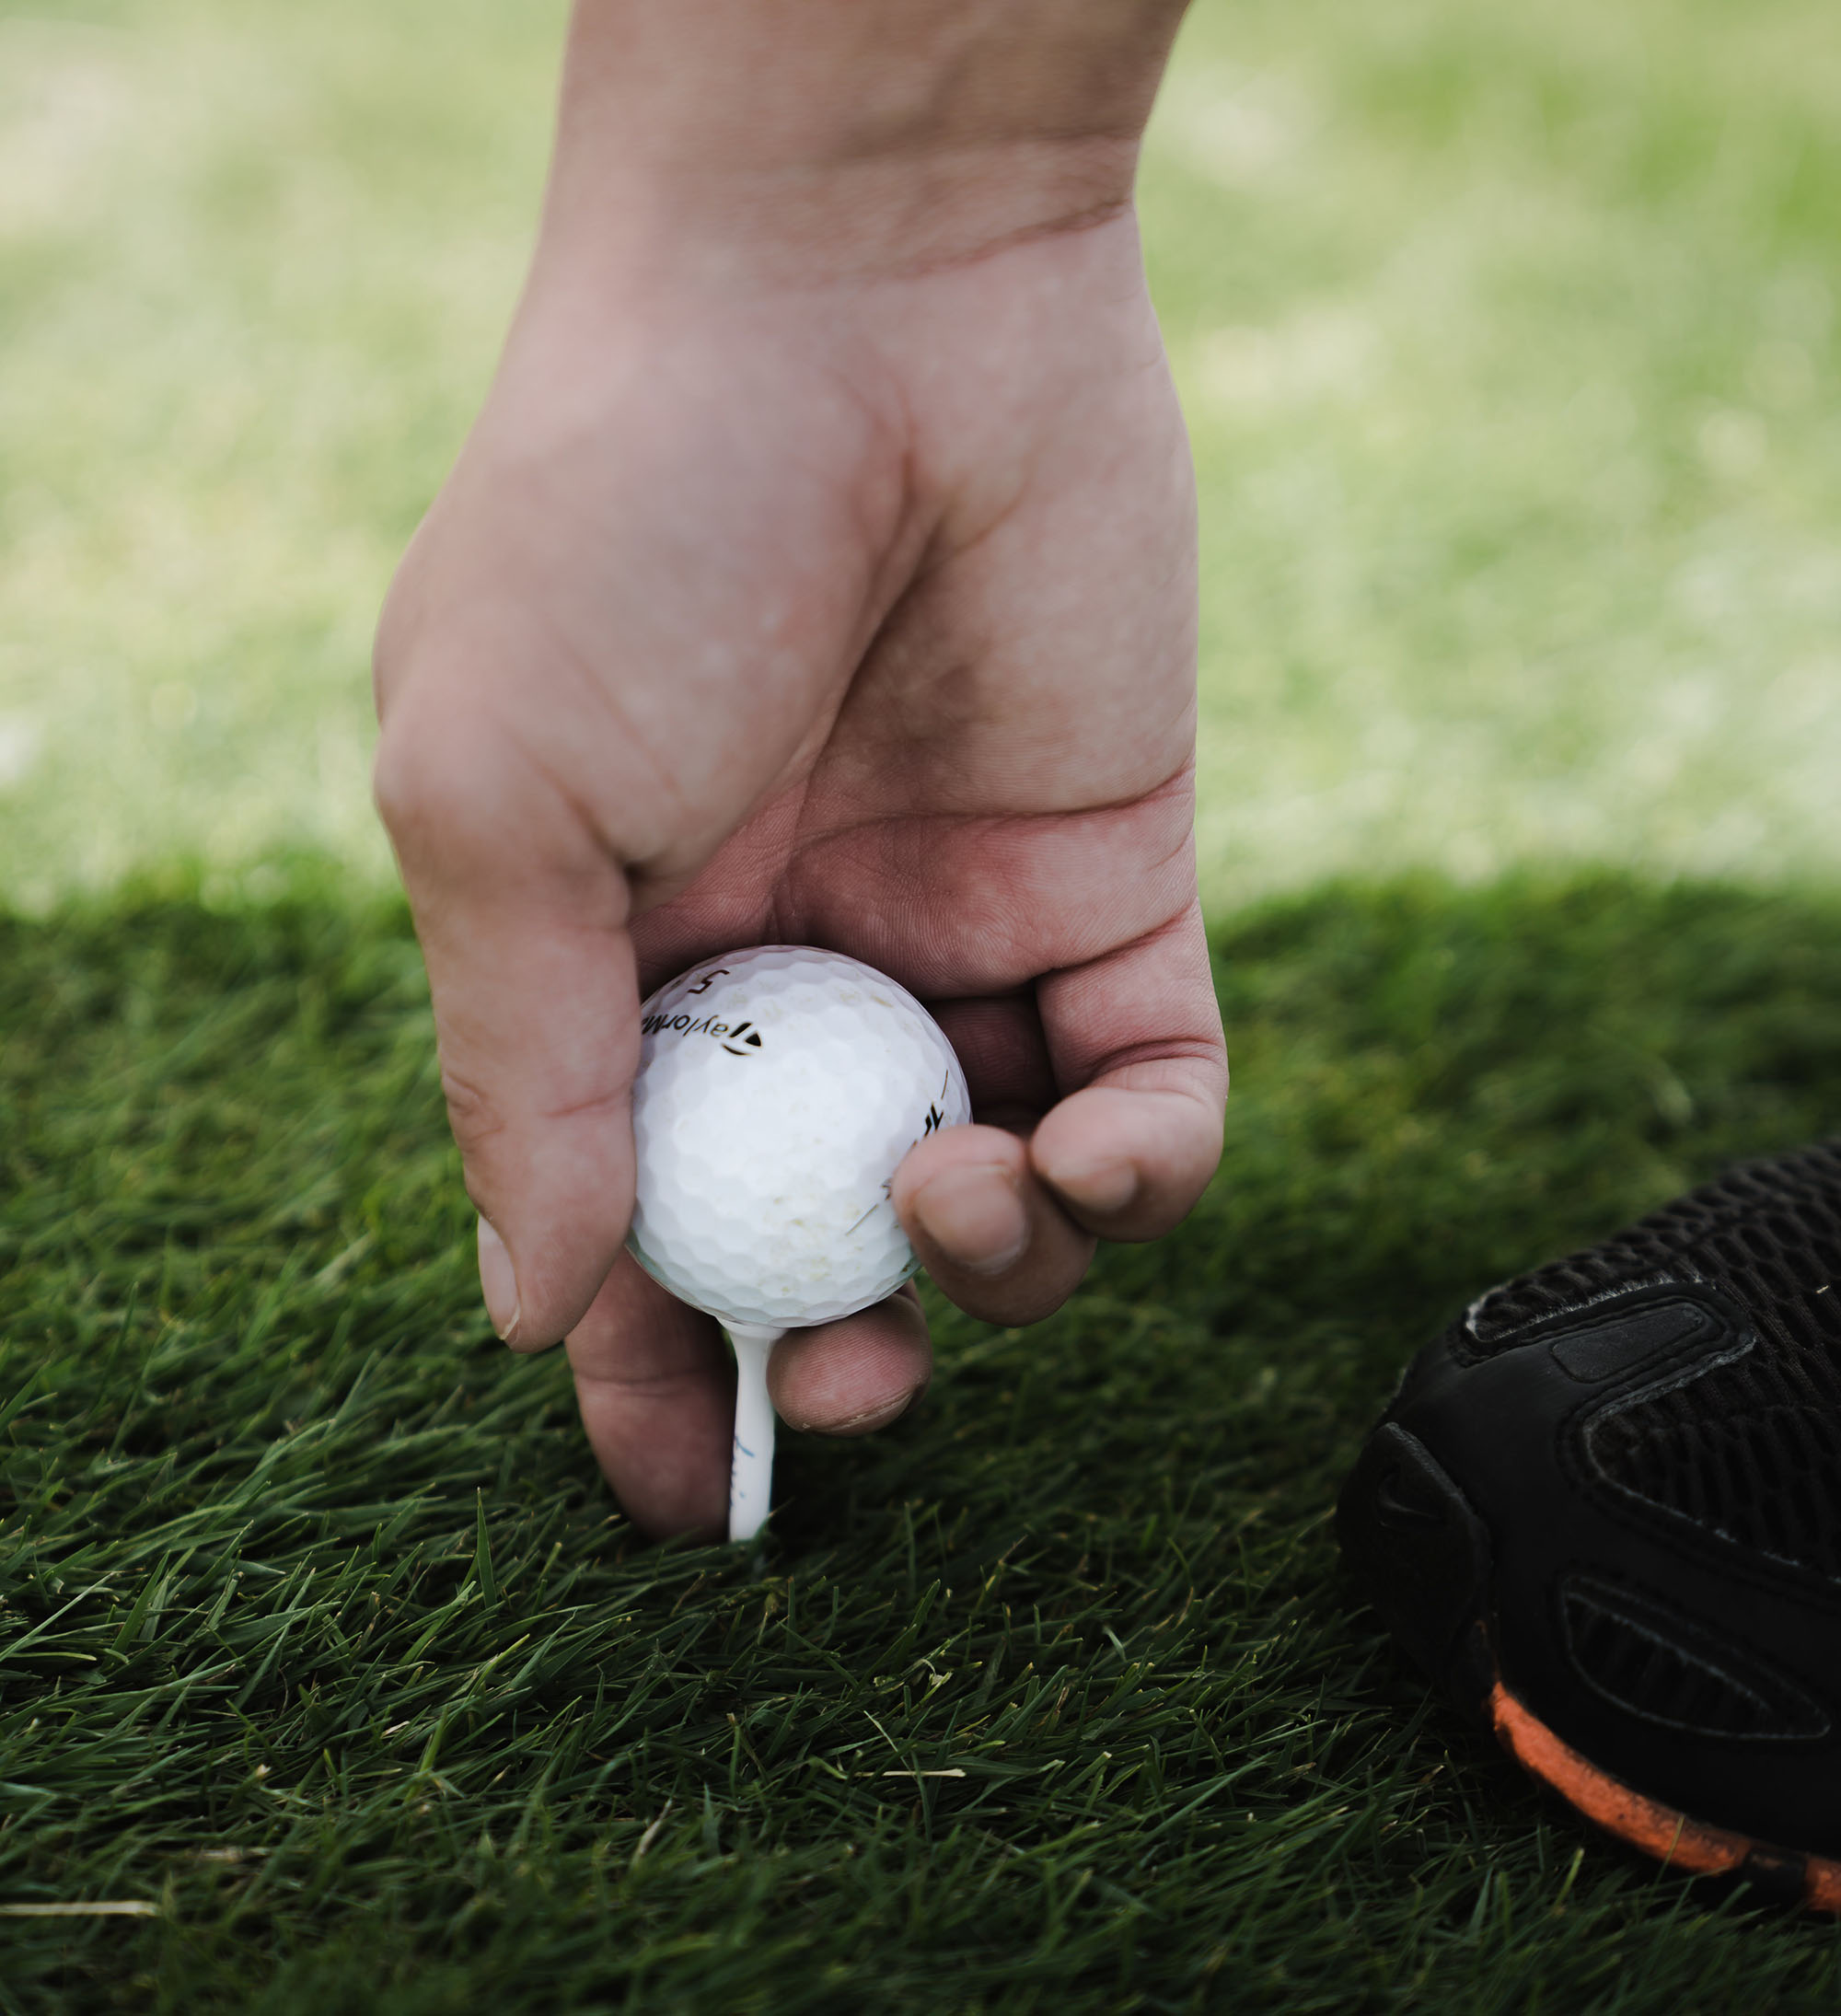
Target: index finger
x,y
522,919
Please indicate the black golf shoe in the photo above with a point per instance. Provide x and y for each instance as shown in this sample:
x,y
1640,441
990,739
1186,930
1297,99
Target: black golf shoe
x,y
1604,1513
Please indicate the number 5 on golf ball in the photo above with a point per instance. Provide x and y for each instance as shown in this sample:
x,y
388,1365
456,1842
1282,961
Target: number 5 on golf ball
x,y
778,1090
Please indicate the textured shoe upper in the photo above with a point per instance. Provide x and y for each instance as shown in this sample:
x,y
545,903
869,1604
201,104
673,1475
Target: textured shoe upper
x,y
1750,1448
1614,1484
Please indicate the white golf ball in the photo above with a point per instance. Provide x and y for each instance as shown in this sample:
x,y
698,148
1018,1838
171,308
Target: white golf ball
x,y
778,1090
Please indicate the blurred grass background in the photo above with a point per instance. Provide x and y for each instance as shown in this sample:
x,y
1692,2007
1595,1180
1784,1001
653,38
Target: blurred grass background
x,y
1507,337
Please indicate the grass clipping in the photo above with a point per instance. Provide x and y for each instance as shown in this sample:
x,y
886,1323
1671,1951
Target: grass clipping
x,y
330,1677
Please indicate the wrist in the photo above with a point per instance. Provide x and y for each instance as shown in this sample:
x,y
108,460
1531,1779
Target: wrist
x,y
841,136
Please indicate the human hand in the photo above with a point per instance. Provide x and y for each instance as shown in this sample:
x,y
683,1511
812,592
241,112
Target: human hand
x,y
793,588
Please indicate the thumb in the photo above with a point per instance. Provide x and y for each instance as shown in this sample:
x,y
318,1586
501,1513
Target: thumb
x,y
522,914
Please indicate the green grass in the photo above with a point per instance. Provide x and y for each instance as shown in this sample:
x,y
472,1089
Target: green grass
x,y
1509,342
321,1637
1508,339
255,262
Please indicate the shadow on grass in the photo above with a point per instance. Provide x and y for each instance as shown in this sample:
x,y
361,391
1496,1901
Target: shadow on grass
x,y
322,1637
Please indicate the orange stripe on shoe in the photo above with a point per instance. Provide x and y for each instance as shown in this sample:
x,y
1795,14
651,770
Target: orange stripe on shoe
x,y
1644,1823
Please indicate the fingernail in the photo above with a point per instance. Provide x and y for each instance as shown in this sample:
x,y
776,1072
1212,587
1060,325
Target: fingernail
x,y
498,1284
976,1218
1106,1189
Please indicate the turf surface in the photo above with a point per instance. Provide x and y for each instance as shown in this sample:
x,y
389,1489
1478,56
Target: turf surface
x,y
324,1651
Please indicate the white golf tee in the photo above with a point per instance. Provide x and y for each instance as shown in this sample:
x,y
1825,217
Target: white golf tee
x,y
751,1466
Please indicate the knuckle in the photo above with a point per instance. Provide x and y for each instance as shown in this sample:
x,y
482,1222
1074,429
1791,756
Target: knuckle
x,y
472,1112
429,771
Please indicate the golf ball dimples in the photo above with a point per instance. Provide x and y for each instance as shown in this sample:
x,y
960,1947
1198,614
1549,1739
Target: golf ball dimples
x,y
778,1090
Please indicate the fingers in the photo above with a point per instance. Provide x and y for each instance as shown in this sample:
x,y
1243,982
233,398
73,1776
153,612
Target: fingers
x,y
986,1228
656,1389
1005,1221
1139,1033
854,1376
521,918
657,1394
1127,1158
